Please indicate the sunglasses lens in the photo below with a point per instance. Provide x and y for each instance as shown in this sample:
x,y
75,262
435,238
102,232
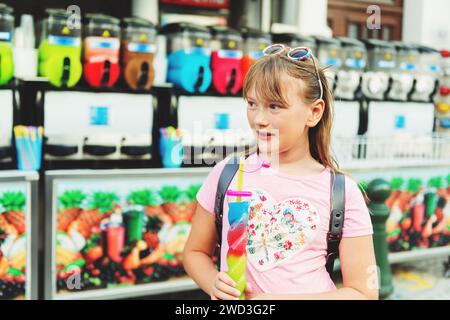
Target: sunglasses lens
x,y
273,49
299,54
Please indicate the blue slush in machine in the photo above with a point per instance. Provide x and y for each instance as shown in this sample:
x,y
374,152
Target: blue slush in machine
x,y
189,57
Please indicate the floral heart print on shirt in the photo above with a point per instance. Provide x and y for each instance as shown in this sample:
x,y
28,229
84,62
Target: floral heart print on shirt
x,y
276,231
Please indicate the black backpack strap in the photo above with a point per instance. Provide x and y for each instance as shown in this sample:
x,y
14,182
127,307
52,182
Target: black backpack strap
x,y
336,219
225,179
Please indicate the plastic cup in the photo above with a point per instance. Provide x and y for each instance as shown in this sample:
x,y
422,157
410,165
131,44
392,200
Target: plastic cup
x,y
134,222
171,152
238,205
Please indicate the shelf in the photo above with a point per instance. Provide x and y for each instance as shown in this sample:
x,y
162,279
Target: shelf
x,y
42,83
170,286
19,174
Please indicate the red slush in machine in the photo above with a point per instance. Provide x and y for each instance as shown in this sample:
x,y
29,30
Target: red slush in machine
x,y
226,60
254,44
101,50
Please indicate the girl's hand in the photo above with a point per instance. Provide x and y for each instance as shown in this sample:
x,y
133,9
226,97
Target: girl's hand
x,y
224,288
249,295
261,296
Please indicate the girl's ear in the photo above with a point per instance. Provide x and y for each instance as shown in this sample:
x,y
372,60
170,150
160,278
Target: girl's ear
x,y
316,111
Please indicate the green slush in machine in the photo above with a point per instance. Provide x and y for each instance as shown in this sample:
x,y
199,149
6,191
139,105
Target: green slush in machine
x,y
60,49
6,33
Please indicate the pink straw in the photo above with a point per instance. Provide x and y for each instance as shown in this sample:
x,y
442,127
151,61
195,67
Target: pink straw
x,y
234,193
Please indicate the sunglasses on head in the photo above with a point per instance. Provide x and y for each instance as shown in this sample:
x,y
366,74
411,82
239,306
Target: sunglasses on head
x,y
295,54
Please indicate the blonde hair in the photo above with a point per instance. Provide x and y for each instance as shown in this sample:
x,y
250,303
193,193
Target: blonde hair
x,y
266,76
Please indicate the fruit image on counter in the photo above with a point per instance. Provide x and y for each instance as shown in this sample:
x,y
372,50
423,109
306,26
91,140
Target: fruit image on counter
x,y
70,208
111,239
419,215
13,245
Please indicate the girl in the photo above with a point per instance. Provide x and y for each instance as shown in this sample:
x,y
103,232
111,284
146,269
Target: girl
x,y
290,107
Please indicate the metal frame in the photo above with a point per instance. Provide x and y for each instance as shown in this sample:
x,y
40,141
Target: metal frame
x,y
51,178
364,152
32,227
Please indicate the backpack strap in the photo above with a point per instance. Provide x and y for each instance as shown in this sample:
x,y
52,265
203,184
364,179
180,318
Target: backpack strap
x,y
336,219
225,179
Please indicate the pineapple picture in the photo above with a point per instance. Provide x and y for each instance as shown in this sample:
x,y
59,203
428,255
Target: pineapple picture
x,y
175,203
191,194
152,203
14,205
156,217
180,205
101,206
147,198
70,207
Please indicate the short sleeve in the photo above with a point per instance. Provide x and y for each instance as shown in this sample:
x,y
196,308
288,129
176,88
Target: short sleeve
x,y
207,194
357,220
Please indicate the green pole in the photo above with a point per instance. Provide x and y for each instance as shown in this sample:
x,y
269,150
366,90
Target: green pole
x,y
378,191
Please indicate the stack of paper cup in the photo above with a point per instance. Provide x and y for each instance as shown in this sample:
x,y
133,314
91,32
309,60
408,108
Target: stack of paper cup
x,y
24,54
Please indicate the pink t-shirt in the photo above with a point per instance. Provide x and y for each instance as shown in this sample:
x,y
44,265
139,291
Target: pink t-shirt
x,y
287,227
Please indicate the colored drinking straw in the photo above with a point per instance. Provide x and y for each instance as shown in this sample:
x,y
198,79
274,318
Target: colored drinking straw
x,y
30,150
29,146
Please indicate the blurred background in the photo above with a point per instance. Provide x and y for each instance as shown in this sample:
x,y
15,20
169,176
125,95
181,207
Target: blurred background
x,y
112,114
